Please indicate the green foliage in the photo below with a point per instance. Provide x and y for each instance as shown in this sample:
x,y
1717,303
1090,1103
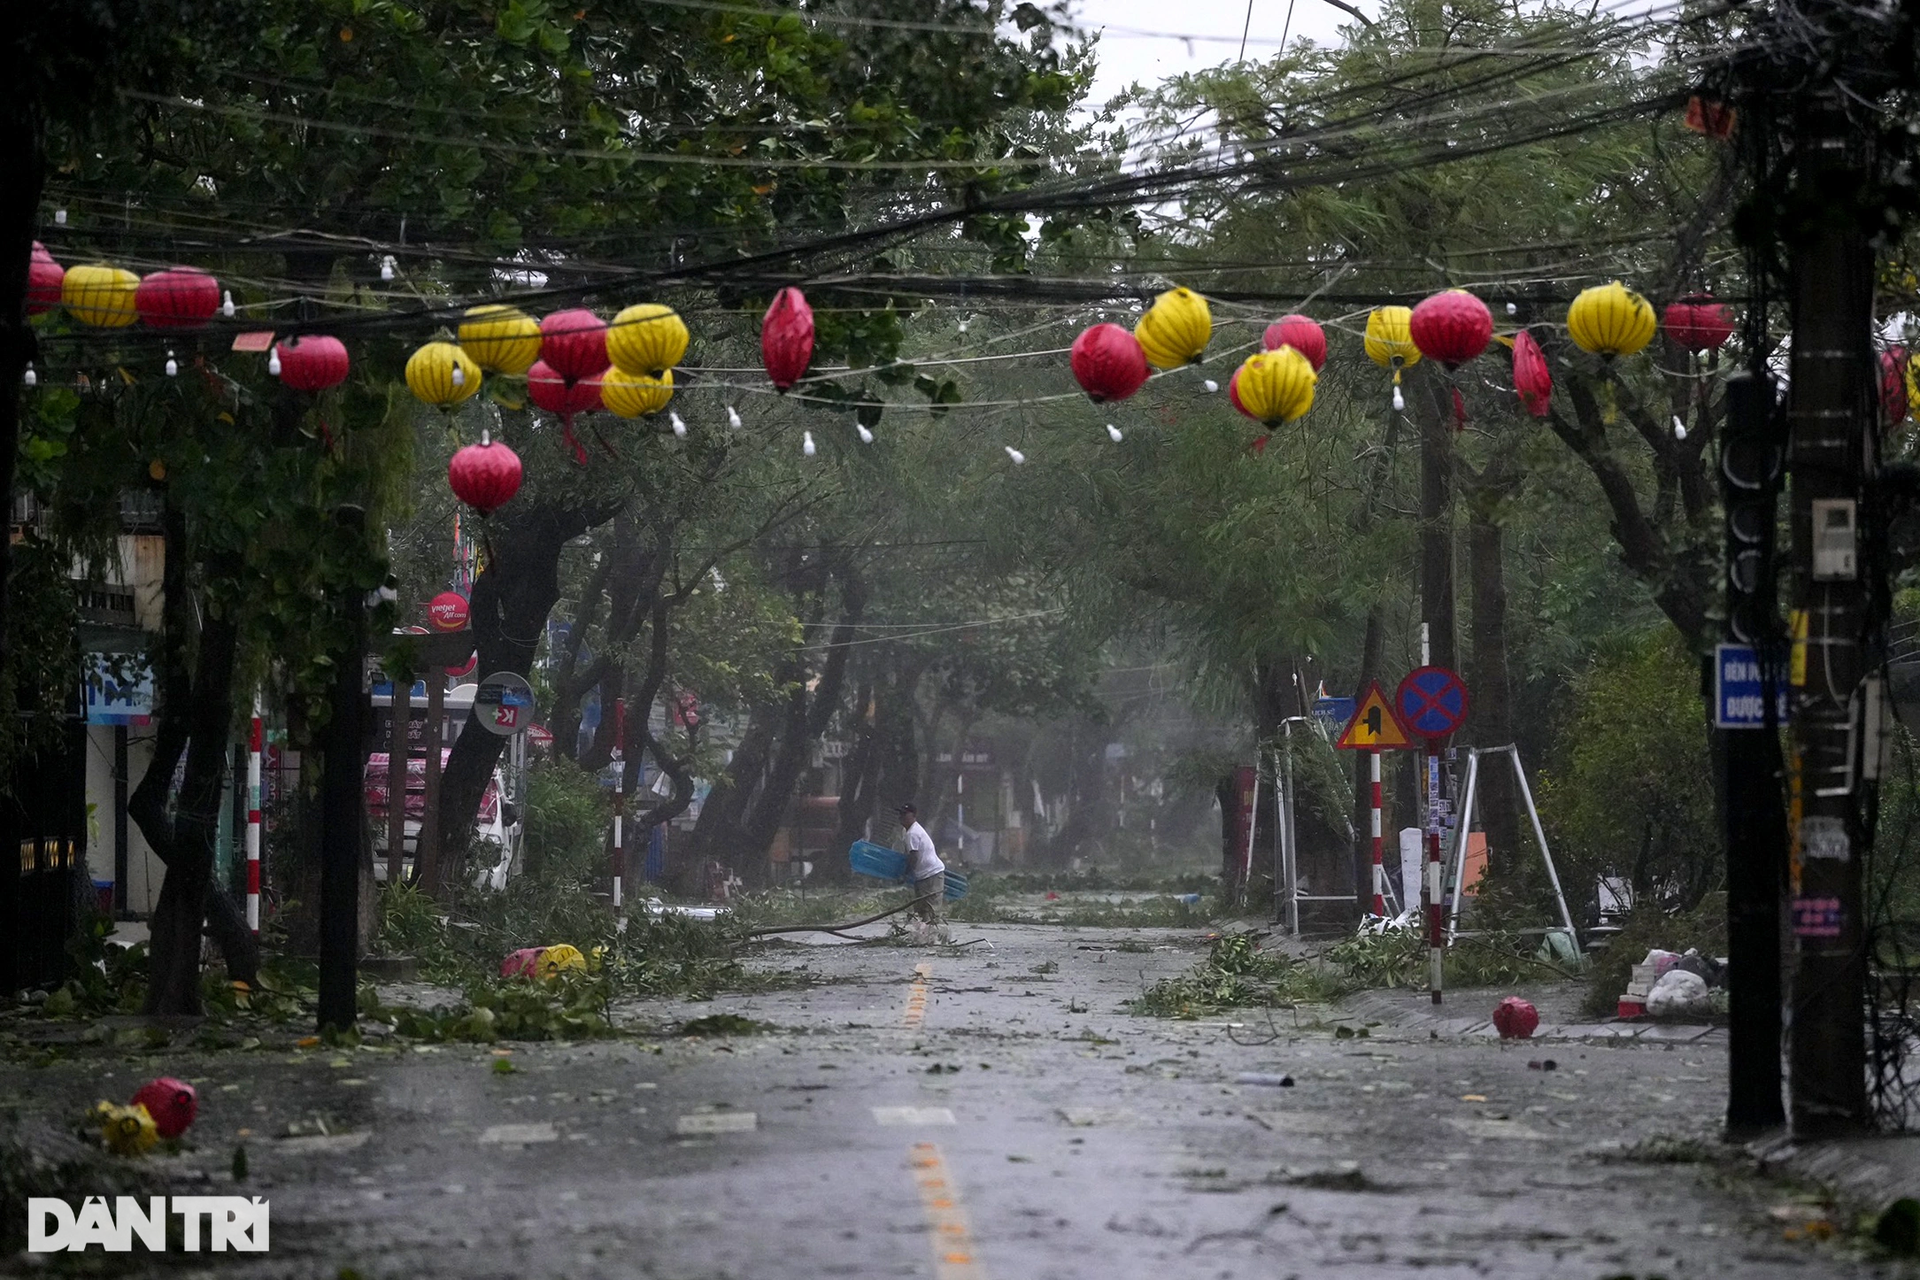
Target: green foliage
x,y
1634,797
1236,974
570,1006
568,819
1398,958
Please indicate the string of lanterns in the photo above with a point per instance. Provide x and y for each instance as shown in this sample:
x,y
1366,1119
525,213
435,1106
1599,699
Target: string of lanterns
x,y
575,362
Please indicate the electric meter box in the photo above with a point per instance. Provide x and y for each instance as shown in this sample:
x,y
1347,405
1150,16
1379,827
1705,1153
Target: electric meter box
x,y
1834,540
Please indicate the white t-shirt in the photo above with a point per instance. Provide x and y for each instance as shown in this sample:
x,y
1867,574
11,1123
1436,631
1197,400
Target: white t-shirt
x,y
922,861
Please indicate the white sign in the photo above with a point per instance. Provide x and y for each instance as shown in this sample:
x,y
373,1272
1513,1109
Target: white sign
x,y
232,1222
116,688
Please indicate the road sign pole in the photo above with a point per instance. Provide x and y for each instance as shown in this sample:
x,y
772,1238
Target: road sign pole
x,y
1379,867
619,806
1435,930
253,821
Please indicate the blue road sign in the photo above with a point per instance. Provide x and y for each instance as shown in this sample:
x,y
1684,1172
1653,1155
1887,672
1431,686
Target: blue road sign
x,y
1739,699
1333,713
1431,702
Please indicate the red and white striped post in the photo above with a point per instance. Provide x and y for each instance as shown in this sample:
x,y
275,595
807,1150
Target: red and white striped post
x,y
1379,867
1436,937
253,823
619,806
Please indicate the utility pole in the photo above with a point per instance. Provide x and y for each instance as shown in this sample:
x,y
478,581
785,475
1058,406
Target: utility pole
x,y
1833,427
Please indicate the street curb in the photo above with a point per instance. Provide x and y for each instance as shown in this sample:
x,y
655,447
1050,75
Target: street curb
x,y
1867,1173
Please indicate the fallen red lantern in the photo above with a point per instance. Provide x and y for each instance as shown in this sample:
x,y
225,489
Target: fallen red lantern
x,y
1531,377
1515,1019
177,298
1451,327
786,338
312,363
172,1104
573,344
1301,333
44,277
485,476
1697,323
1108,363
1893,387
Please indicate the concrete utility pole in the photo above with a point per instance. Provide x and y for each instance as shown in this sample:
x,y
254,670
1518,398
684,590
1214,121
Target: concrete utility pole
x,y
1833,428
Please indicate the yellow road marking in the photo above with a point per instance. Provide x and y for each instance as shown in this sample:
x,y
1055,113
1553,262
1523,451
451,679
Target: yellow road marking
x,y
917,997
947,1228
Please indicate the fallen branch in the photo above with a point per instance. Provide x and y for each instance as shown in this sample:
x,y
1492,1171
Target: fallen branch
x,y
837,928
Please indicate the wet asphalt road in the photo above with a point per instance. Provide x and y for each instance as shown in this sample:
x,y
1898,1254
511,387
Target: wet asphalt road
x,y
987,1116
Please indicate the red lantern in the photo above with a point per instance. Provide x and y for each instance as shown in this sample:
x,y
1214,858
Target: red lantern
x,y
573,344
786,338
177,298
1451,327
1893,386
1531,377
1697,323
1515,1019
44,277
1108,363
564,397
1302,334
1233,394
485,475
312,363
172,1104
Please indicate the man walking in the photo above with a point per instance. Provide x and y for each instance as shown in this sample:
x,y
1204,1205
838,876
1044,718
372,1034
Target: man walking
x,y
925,872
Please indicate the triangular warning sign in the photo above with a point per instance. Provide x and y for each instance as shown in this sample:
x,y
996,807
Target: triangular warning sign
x,y
1374,727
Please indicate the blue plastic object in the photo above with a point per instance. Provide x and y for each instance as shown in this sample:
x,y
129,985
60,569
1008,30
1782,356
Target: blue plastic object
x,y
876,860
956,885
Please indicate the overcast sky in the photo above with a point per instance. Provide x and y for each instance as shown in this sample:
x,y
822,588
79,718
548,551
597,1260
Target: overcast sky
x,y
1127,55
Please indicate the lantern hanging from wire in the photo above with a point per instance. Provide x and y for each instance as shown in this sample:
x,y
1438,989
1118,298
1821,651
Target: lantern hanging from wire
x,y
1301,333
573,344
1610,320
442,374
1894,401
1275,386
44,276
177,298
1108,363
311,363
786,338
647,340
631,395
1532,379
1697,324
100,295
1175,329
501,339
1452,327
564,398
1390,345
485,476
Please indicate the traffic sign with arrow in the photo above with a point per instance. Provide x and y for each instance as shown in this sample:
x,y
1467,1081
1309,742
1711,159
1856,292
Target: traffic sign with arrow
x,y
1374,727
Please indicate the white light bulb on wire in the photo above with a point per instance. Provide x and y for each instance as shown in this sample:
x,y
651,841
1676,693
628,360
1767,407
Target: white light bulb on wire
x,y
1399,401
1018,457
1113,433
226,303
1679,428
59,217
30,378
459,376
866,436
1210,385
679,427
733,417
173,366
1513,309
273,362
386,267
806,444
963,324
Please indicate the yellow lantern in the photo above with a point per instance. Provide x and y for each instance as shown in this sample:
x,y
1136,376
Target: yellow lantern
x,y
1913,379
1277,386
629,395
1389,344
1610,320
126,1131
559,959
1175,329
647,339
100,295
501,339
442,374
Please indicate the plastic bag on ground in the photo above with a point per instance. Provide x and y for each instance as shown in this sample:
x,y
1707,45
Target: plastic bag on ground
x,y
1679,994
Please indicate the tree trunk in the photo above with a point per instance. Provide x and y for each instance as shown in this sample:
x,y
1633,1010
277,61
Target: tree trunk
x,y
1487,677
23,156
1431,403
